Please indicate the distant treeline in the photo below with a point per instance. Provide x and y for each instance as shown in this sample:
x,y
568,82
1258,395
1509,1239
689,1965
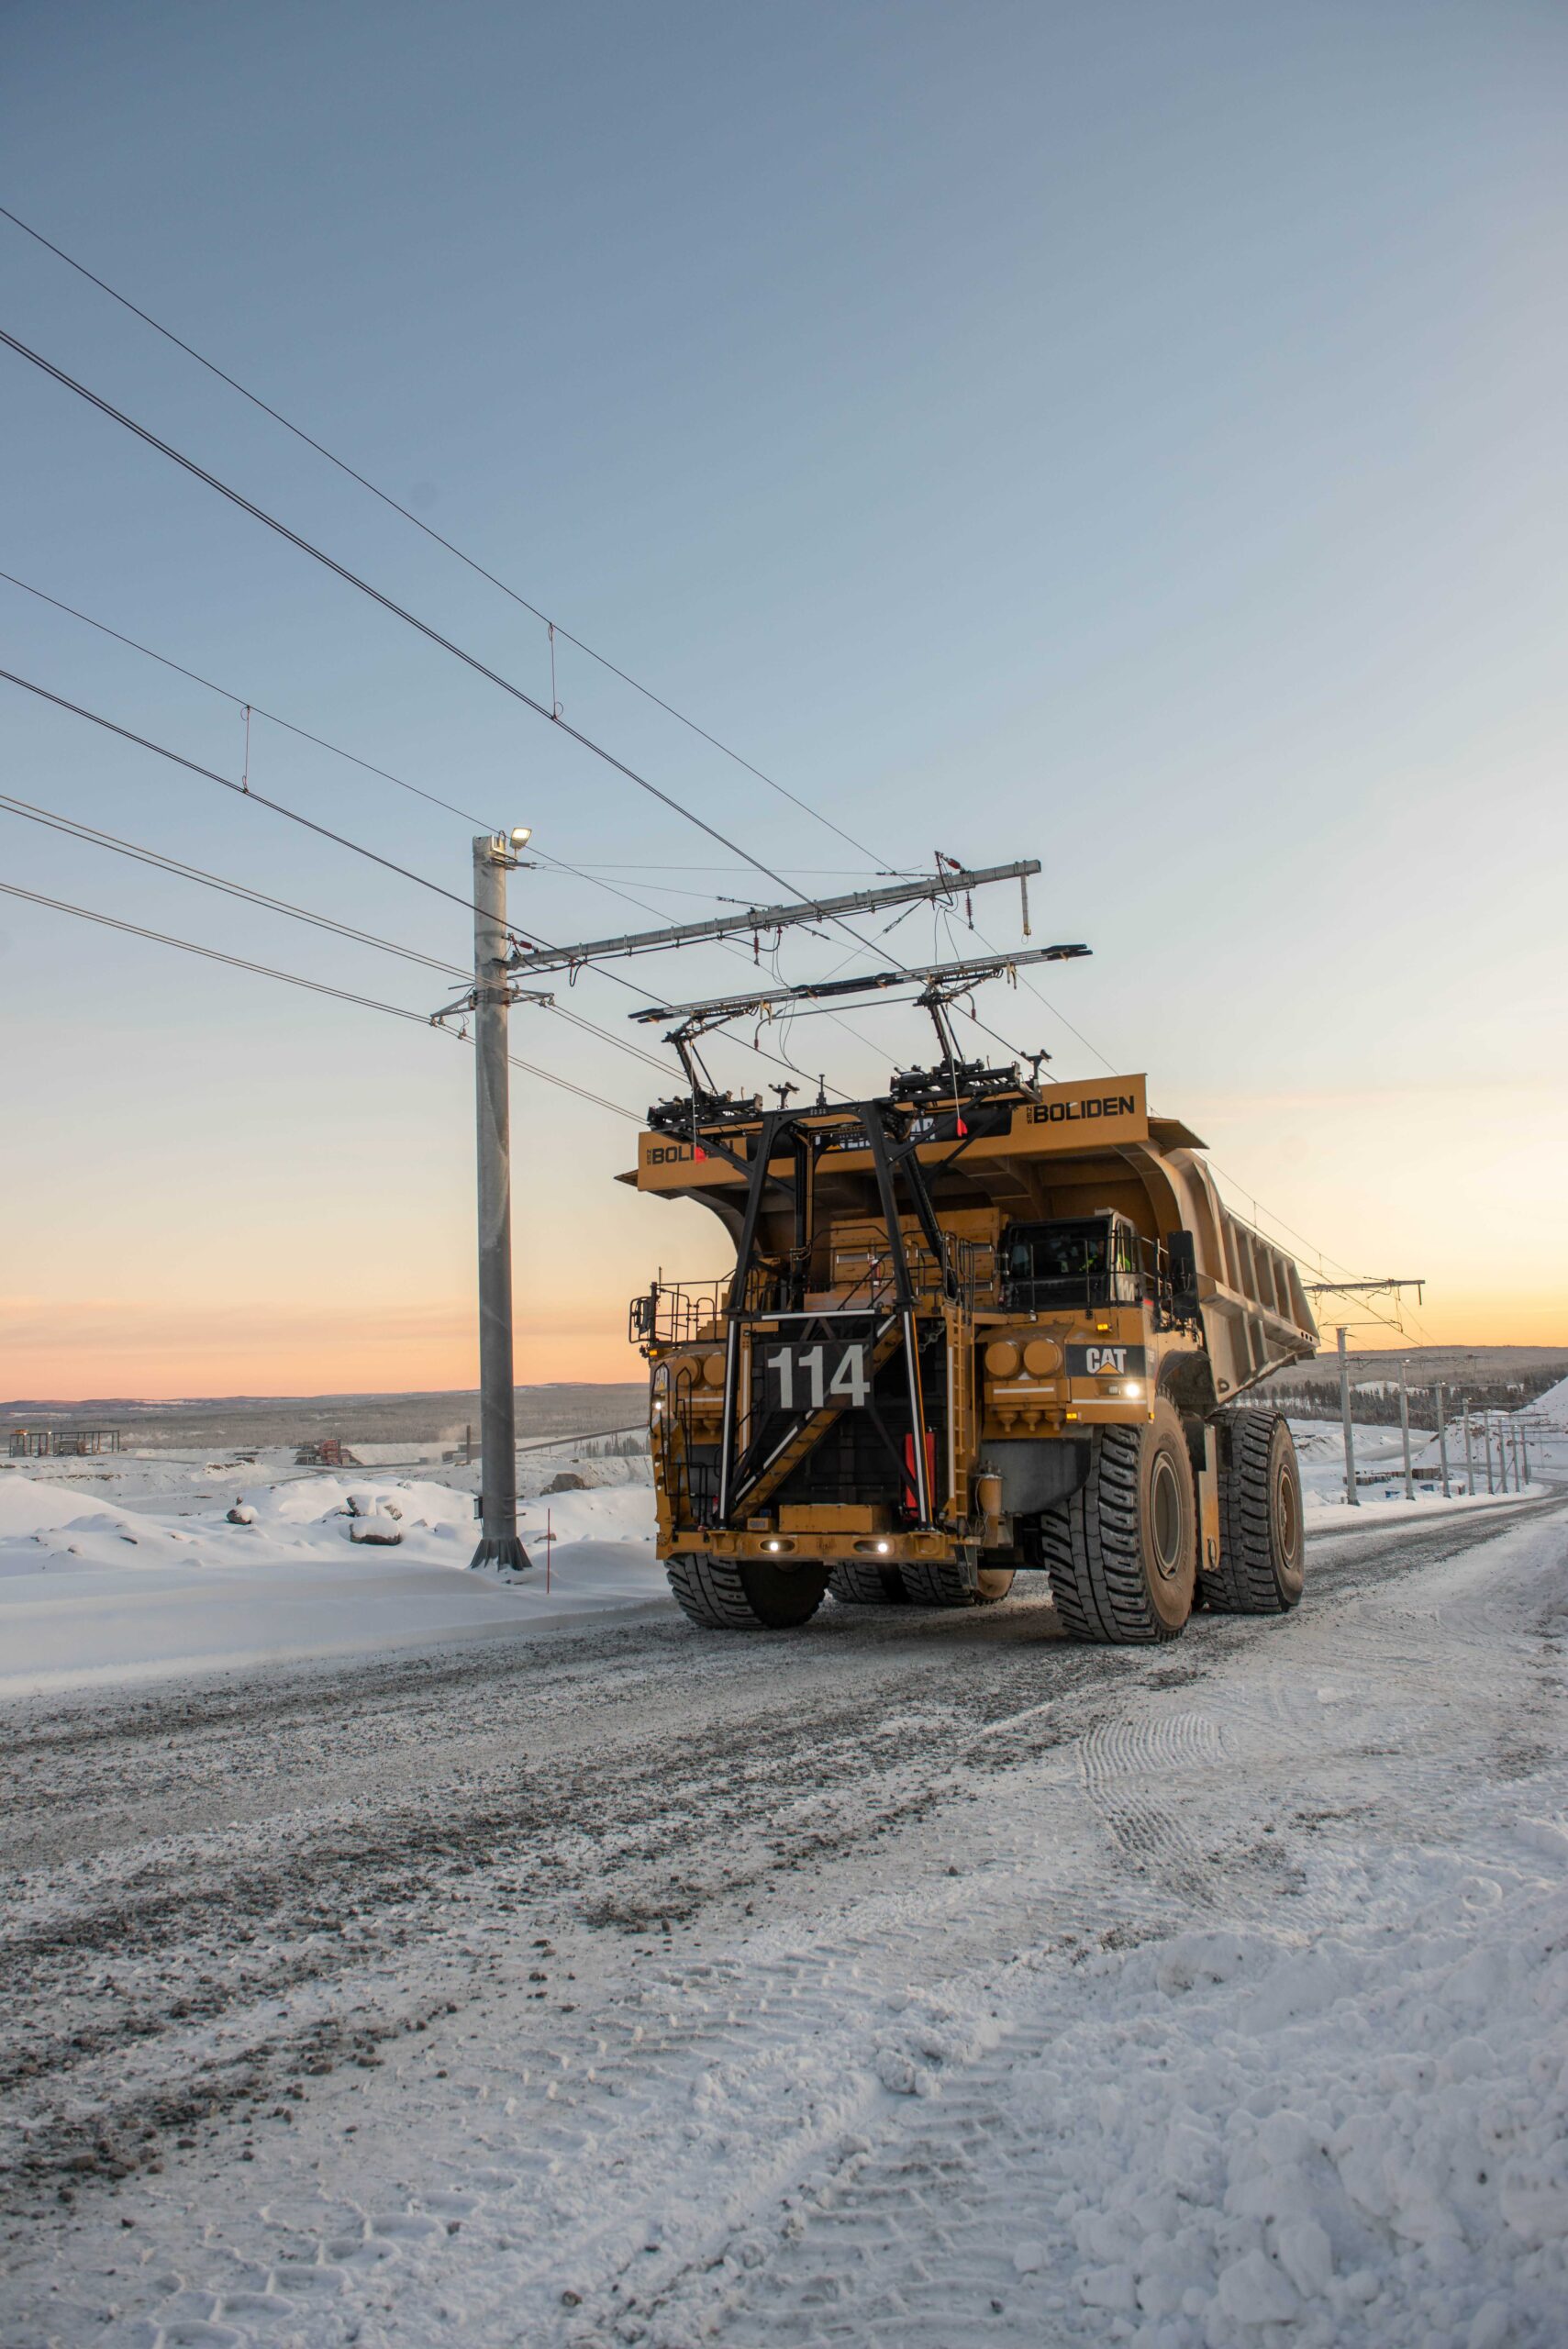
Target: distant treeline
x,y
1318,1398
629,1444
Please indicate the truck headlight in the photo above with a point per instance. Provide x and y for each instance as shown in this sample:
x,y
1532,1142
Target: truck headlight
x,y
1133,1388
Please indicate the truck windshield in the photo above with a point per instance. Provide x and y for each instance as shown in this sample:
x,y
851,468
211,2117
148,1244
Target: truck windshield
x,y
1084,1260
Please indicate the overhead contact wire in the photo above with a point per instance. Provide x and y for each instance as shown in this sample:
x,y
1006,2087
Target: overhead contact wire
x,y
88,833
389,603
423,628
294,979
386,500
210,774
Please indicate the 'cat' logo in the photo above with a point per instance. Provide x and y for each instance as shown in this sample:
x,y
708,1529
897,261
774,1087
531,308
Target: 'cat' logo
x,y
1106,1361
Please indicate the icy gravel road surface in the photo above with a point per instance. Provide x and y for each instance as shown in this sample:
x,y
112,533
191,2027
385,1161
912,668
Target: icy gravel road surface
x,y
637,1985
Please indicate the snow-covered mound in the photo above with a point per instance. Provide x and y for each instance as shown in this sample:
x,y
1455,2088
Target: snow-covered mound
x,y
44,1526
90,1589
27,1506
321,1507
1280,2126
1554,1405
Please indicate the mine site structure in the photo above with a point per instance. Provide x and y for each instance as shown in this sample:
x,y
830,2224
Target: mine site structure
x,y
1394,1287
973,1325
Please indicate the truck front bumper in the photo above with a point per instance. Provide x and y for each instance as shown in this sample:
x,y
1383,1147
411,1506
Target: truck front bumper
x,y
933,1548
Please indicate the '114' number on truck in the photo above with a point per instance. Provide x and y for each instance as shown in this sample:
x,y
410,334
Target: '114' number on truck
x,y
805,1381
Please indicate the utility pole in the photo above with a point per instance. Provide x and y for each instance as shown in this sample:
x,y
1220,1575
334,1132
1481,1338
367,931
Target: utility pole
x,y
1469,1456
1443,1440
1486,1439
1405,1429
1353,1498
499,1543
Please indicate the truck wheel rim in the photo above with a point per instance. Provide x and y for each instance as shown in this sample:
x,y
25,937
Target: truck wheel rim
x,y
1286,1519
1166,1517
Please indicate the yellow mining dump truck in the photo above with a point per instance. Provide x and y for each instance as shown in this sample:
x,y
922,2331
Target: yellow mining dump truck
x,y
973,1325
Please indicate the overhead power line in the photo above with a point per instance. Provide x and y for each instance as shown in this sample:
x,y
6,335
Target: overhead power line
x,y
590,873
241,790
388,602
89,834
240,701
423,628
558,864
294,979
386,498
260,799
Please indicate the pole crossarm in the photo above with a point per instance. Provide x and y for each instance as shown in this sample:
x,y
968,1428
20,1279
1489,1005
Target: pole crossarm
x,y
953,880
959,975
1356,1288
470,1001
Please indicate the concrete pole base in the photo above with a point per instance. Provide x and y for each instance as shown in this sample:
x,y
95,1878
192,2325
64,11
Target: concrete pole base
x,y
506,1553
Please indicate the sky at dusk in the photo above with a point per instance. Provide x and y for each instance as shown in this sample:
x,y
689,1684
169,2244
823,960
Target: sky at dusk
x,y
1131,437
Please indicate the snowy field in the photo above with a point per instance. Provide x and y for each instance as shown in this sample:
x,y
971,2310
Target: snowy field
x,y
1380,1456
914,1980
132,1567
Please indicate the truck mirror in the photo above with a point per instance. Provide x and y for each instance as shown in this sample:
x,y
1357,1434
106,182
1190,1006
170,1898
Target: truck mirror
x,y
1181,1254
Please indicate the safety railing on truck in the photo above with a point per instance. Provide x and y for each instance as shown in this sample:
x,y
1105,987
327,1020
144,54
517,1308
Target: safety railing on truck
x,y
685,1313
682,1313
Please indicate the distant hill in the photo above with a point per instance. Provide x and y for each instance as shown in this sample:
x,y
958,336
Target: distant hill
x,y
1490,1377
255,1420
1480,1365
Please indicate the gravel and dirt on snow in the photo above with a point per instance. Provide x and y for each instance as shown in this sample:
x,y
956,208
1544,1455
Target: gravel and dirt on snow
x,y
915,1978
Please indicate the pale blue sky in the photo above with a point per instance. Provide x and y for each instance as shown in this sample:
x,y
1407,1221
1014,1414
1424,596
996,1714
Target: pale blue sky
x,y
1130,436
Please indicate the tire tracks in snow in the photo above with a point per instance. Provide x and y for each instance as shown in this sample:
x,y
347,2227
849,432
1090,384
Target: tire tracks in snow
x,y
158,1967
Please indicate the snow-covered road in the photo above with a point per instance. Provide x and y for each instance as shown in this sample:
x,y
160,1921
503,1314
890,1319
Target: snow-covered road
x,y
916,1978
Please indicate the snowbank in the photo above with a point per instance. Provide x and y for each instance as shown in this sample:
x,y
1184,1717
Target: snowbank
x,y
1553,1404
91,1590
44,1526
1320,1449
1363,2138
28,1507
1384,1504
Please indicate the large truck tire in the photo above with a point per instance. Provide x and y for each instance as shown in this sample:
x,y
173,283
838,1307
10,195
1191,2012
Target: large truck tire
x,y
746,1594
947,1585
1122,1550
856,1582
1263,1550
